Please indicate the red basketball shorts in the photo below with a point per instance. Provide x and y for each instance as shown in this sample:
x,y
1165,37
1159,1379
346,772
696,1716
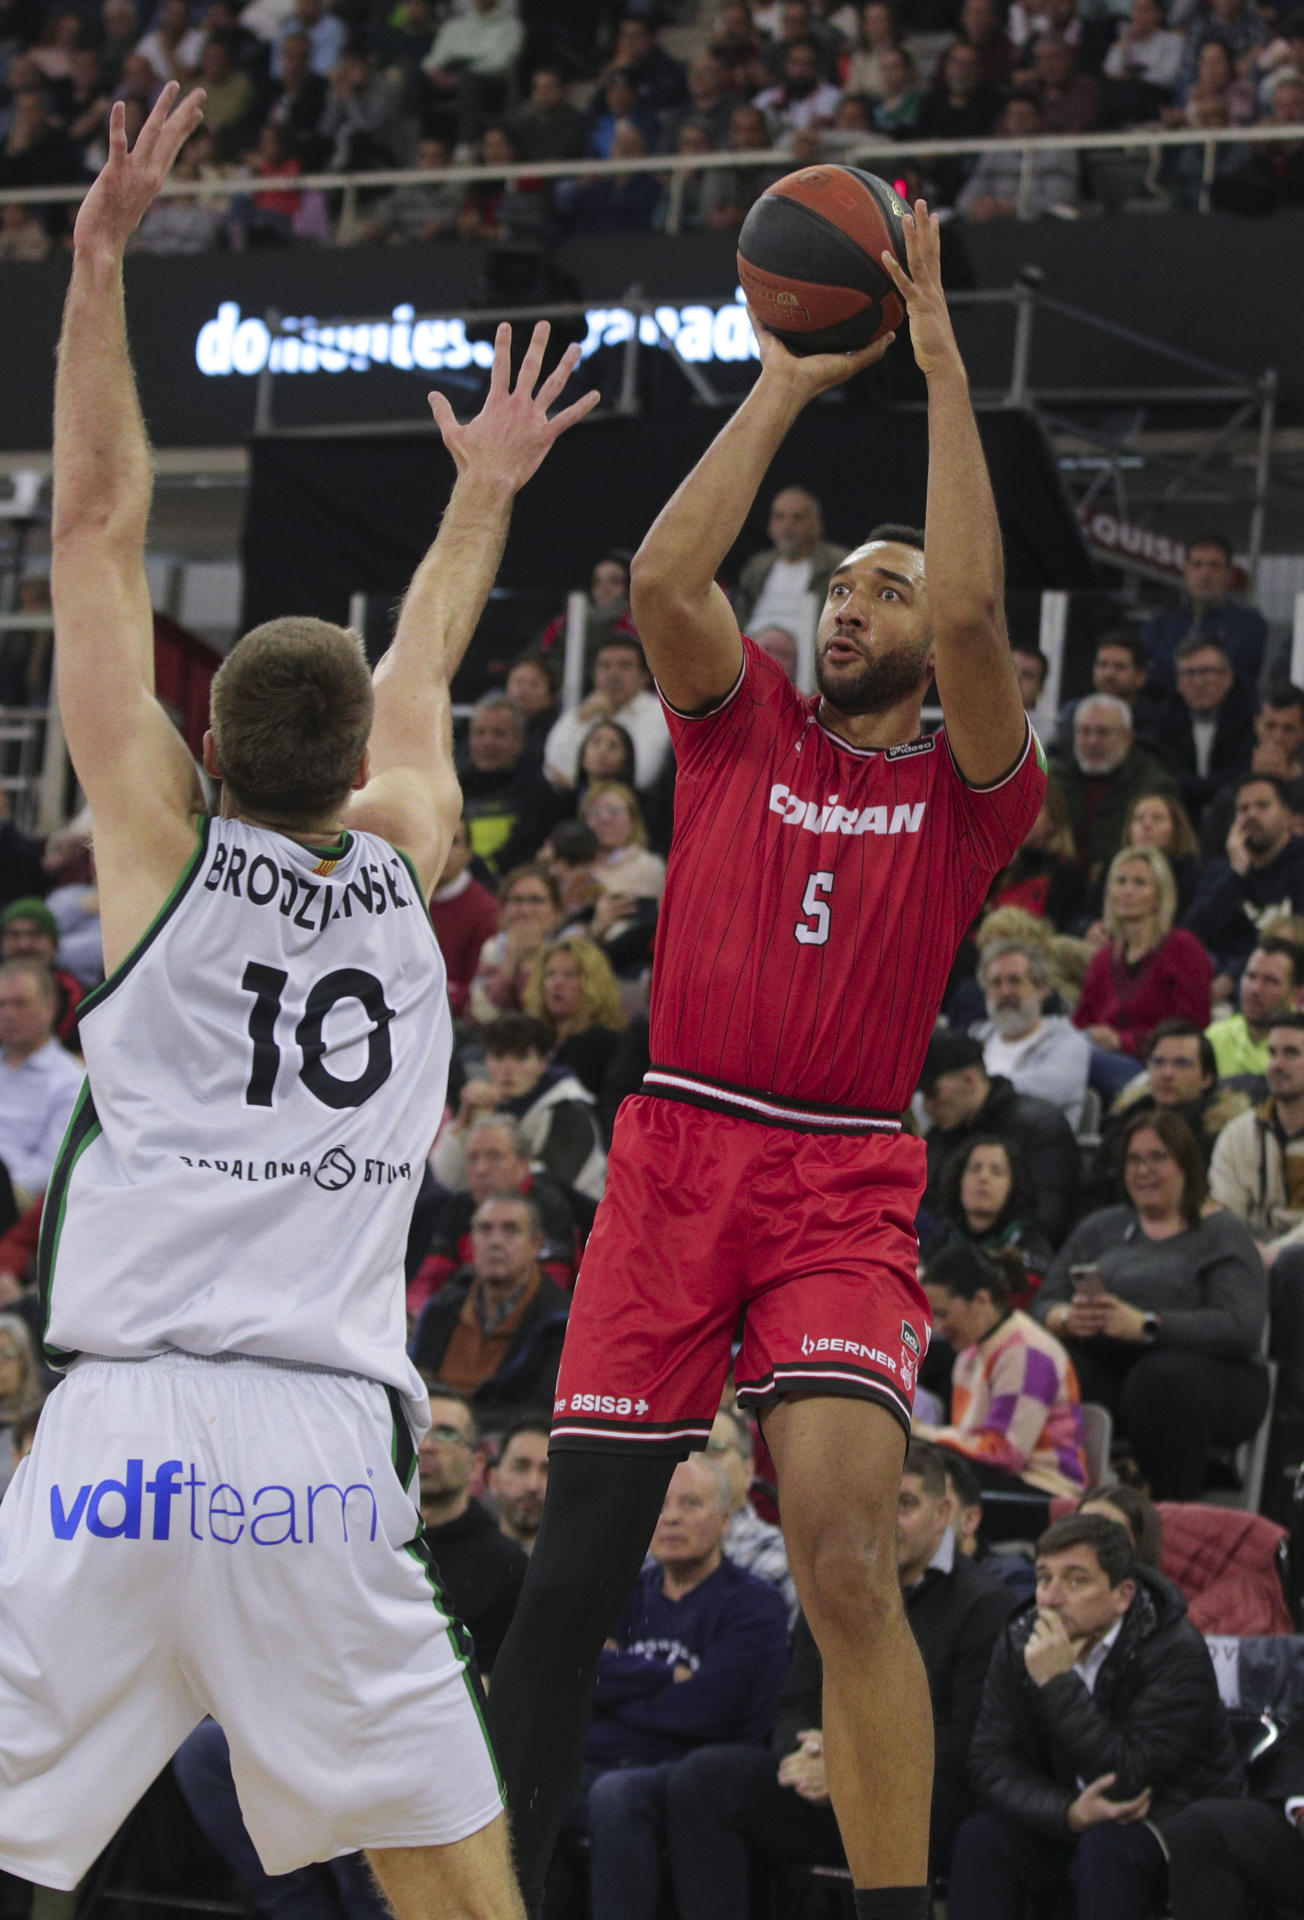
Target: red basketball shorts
x,y
710,1218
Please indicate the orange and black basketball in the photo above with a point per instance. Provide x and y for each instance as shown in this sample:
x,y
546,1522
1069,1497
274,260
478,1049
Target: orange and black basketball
x,y
810,259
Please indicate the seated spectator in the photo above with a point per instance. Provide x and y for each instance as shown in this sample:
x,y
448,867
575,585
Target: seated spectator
x,y
1257,1172
982,29
1214,84
495,1332
572,988
1001,187
1159,820
751,1543
297,100
481,1571
568,855
22,235
1015,1405
729,1806
622,691
1166,1332
1181,1078
228,93
556,1114
1119,666
39,1082
1278,749
1037,1052
21,1392
1149,971
548,127
506,802
362,124
607,610
1210,614
173,47
624,865
1207,727
1013,1570
503,208
615,105
81,102
802,99
1271,984
1044,877
739,46
728,192
958,107
898,106
987,1199
1272,175
614,202
1231,1859
1100,1717
962,1100
658,80
1241,25
1143,64
324,30
529,904
402,40
29,931
497,1161
695,1658
37,153
1130,1509
470,70
794,20
419,214
532,690
774,584
709,105
607,753
1106,771
276,215
1258,882
1070,100
183,223
518,1479
877,34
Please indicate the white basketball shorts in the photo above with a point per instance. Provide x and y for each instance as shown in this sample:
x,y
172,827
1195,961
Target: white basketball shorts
x,y
234,1538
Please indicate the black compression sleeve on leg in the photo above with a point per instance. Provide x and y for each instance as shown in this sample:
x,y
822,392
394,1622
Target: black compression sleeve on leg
x,y
599,1515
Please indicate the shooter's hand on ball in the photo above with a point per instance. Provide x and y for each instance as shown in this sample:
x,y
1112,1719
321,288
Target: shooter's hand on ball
x,y
812,373
128,181
931,333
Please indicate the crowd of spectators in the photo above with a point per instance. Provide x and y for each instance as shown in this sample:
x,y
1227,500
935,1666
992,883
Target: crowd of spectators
x,y
1112,1243
295,87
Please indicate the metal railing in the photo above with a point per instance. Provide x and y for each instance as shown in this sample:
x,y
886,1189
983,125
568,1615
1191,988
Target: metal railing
x,y
679,168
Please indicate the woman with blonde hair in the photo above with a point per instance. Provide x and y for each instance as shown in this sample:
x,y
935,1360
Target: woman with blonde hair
x,y
1157,820
571,986
1148,970
624,865
20,1386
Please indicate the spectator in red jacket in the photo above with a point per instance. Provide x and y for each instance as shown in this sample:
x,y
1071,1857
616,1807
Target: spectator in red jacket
x,y
464,915
1148,970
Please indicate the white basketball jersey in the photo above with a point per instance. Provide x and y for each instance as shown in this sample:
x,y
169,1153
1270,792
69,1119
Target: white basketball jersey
x,y
266,1072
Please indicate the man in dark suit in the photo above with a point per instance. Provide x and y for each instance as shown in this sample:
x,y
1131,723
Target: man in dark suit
x,y
1207,727
1227,1856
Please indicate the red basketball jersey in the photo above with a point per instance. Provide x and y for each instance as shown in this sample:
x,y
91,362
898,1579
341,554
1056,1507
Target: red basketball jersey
x,y
816,896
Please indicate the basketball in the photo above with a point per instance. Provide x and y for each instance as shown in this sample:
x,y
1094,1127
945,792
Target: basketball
x,y
809,259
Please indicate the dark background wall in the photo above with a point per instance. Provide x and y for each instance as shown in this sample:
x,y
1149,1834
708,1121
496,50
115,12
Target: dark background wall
x,y
1225,288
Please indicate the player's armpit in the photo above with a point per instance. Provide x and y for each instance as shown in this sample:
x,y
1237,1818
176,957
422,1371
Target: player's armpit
x,y
693,645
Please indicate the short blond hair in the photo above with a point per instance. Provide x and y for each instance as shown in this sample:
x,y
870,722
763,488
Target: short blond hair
x,y
599,989
291,711
600,788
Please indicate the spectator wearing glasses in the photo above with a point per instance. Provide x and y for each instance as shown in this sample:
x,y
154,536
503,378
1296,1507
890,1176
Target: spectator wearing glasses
x,y
1208,726
529,906
750,1542
1162,1307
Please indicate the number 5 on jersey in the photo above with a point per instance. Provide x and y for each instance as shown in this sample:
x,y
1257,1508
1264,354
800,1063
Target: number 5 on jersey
x,y
816,911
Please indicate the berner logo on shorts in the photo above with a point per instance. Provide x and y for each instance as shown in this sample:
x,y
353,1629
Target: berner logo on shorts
x,y
274,1515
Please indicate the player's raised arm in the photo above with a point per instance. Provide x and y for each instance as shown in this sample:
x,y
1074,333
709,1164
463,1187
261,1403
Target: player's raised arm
x,y
964,565
412,796
683,618
135,768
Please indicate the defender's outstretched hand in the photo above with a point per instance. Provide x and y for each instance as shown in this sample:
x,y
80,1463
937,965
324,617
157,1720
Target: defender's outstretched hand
x,y
931,333
813,373
512,432
128,181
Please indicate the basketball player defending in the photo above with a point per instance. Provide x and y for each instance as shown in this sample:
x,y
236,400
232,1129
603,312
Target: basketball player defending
x,y
216,1517
827,860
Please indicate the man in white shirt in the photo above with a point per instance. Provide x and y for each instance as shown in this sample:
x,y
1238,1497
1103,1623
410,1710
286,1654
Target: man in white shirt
x,y
622,691
773,586
39,1081
1038,1053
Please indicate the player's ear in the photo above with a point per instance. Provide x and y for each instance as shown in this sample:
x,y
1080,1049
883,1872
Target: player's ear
x,y
209,754
363,774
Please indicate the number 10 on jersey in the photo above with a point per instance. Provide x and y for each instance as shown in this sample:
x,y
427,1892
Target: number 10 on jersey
x,y
813,930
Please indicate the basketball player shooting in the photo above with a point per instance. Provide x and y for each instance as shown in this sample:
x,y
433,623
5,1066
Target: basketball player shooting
x,y
827,859
216,1518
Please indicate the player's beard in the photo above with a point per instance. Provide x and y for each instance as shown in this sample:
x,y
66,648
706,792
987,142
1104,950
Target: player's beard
x,y
876,685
